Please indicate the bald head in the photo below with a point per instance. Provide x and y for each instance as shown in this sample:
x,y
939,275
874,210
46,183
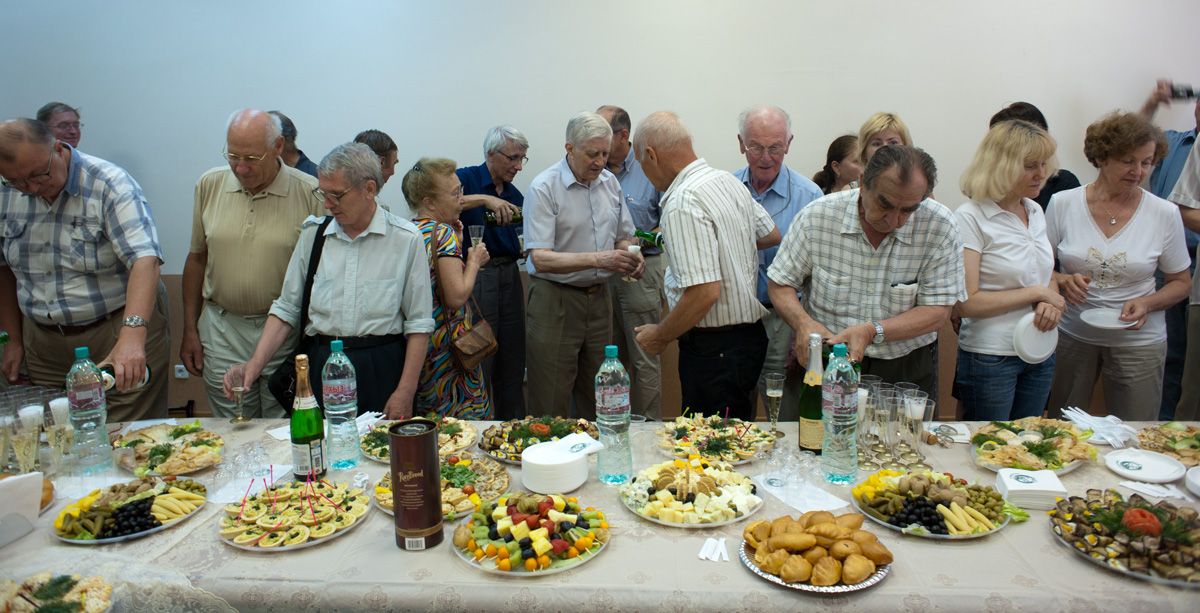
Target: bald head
x,y
15,132
765,117
254,142
663,146
254,124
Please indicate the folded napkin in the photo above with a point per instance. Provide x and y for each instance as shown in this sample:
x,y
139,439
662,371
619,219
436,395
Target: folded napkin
x,y
1030,489
145,423
1156,490
20,501
236,489
803,499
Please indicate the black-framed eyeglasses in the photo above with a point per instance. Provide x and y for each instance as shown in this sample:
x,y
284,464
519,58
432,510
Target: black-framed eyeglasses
x,y
235,158
759,151
67,126
38,178
514,157
322,195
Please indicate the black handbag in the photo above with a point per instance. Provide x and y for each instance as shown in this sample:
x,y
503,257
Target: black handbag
x,y
282,383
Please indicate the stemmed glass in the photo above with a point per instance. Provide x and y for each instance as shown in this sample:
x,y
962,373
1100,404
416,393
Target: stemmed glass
x,y
914,411
27,430
881,389
866,417
237,383
923,426
774,382
893,403
6,432
60,434
476,235
906,389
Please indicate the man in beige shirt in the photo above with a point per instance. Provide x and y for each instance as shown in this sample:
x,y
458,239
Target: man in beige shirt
x,y
245,224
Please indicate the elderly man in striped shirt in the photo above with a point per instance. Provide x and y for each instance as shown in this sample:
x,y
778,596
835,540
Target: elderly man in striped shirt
x,y
713,231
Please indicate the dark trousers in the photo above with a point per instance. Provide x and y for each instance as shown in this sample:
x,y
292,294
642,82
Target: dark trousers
x,y
377,371
719,368
916,367
501,299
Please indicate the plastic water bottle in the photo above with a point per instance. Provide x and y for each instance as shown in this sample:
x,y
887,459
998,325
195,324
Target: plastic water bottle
x,y
612,418
89,413
339,388
839,412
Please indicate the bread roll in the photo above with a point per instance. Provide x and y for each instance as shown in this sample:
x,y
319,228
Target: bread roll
x,y
827,571
792,542
876,553
795,570
856,568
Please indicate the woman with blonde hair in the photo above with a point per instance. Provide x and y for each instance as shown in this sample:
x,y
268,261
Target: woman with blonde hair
x,y
881,130
1009,267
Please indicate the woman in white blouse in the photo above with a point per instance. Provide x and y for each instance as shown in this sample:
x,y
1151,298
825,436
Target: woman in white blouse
x,y
1009,265
1109,237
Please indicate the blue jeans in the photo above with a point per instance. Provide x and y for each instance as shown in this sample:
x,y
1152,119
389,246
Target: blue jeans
x,y
1001,387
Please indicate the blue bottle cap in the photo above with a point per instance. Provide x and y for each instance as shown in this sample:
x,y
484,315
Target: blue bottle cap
x,y
81,353
610,351
839,350
335,346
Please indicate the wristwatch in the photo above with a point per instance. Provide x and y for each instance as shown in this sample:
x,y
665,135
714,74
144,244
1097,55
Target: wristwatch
x,y
878,333
134,321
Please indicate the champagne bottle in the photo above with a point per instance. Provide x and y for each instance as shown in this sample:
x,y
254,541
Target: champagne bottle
x,y
489,219
308,428
654,238
812,431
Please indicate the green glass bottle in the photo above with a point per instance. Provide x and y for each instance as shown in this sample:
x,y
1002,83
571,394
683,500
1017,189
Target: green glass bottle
x,y
489,219
308,428
812,431
654,238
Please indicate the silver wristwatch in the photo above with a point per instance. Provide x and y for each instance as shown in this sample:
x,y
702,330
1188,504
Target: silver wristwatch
x,y
134,321
878,333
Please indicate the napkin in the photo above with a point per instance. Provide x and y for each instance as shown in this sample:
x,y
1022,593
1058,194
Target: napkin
x,y
20,501
1155,490
236,489
145,423
806,498
566,448
1030,489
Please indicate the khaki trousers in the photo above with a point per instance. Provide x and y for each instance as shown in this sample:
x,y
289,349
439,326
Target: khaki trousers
x,y
638,304
1189,401
229,339
566,332
1132,377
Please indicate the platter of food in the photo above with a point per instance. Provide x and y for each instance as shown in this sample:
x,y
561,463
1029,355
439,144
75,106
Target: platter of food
x,y
454,435
506,441
1132,537
713,438
45,591
466,481
170,450
816,552
691,493
530,535
934,505
1175,440
1032,443
127,511
294,515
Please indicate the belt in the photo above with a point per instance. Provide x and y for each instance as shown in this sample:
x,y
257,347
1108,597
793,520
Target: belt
x,y
73,330
359,342
499,261
767,304
591,289
725,328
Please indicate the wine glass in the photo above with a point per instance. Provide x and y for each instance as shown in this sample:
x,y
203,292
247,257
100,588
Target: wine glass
x,y
879,390
60,434
774,382
926,420
905,388
27,430
237,384
871,384
476,235
914,411
893,403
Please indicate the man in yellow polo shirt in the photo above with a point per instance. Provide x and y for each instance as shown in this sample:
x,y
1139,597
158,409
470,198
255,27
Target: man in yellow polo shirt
x,y
245,224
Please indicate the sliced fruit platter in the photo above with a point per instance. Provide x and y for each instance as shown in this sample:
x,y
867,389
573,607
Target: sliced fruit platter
x,y
454,435
934,505
713,438
506,441
815,552
530,534
126,511
46,592
1158,543
164,449
1032,443
692,493
466,482
1174,439
293,515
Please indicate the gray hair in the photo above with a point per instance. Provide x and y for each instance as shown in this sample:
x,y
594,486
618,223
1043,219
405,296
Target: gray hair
x,y
22,130
500,136
758,110
274,126
50,108
904,158
662,130
585,126
620,118
289,129
356,160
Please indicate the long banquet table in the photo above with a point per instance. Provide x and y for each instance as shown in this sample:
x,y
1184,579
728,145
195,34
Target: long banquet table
x,y
646,567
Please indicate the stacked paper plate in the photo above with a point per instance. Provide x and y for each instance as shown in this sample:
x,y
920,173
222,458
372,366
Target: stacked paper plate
x,y
558,466
1030,489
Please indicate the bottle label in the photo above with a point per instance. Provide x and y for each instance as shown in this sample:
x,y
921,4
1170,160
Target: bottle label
x,y
339,387
812,433
812,377
308,457
612,399
304,402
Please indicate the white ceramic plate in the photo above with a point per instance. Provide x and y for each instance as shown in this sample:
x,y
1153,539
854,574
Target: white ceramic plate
x,y
1145,466
1033,345
1105,318
1193,480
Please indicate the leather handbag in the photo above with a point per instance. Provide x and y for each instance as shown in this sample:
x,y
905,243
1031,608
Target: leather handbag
x,y
473,345
282,383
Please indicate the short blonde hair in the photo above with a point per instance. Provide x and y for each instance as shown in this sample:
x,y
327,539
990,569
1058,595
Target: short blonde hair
x,y
419,182
880,122
1001,157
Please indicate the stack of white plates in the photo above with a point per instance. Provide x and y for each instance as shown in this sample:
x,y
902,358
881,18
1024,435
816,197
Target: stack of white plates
x,y
557,467
1030,489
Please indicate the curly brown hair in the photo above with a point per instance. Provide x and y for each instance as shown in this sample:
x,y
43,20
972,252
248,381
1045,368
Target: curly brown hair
x,y
1119,133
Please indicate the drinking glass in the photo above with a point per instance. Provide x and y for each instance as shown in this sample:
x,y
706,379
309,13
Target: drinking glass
x,y
476,235
884,407
775,464
25,435
871,384
60,434
926,421
880,389
774,382
237,384
893,403
6,431
906,388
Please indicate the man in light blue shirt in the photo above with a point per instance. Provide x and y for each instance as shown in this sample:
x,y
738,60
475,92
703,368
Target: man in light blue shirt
x,y
641,302
764,135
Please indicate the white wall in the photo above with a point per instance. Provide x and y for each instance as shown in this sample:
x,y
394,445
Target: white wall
x,y
157,80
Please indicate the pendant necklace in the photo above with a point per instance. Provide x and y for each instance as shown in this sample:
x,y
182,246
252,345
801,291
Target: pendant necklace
x,y
1112,220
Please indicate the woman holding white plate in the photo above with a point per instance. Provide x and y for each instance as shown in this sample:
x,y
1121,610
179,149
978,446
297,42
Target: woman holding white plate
x,y
1110,236
1009,266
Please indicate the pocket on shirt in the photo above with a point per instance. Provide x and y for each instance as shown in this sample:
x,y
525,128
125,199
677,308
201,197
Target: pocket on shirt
x,y
830,291
322,300
383,298
901,298
11,232
86,236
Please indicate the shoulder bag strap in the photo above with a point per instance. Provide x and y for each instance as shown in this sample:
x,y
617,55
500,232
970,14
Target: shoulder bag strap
x,y
313,261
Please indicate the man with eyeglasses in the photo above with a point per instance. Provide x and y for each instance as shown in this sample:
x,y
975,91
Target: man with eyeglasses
x,y
640,303
498,289
81,269
63,120
245,223
764,135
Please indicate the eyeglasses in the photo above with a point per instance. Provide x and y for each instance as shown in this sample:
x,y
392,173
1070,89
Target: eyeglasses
x,y
322,195
514,157
38,178
235,158
758,151
67,126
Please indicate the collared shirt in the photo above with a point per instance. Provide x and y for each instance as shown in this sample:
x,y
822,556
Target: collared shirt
x,y
640,197
305,165
500,240
567,216
372,285
1187,193
783,200
711,224
249,239
847,282
71,259
1166,175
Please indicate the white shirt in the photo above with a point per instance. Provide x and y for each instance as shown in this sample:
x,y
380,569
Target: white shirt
x,y
1187,193
711,224
1121,267
372,285
1011,256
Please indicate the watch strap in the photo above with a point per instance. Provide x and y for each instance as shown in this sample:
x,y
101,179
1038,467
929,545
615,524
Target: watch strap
x,y
134,321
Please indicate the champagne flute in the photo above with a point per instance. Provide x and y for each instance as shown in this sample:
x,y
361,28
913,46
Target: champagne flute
x,y
476,235
866,416
25,436
774,382
914,410
894,410
905,388
6,429
60,433
879,390
926,420
871,384
237,384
